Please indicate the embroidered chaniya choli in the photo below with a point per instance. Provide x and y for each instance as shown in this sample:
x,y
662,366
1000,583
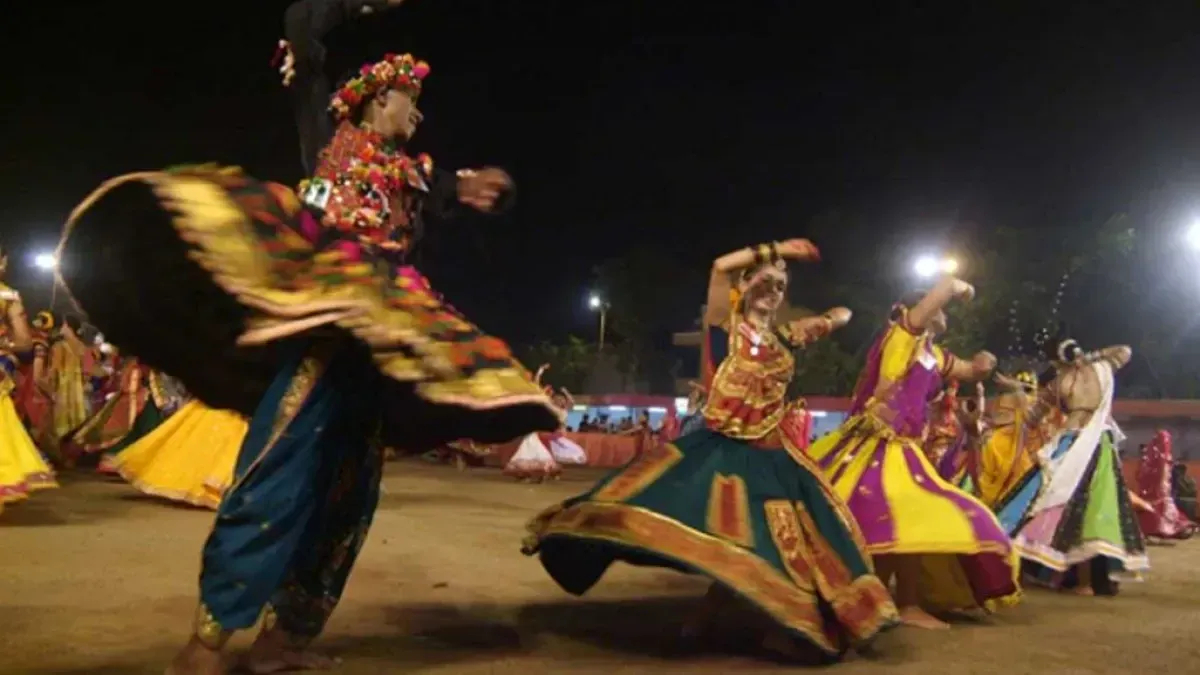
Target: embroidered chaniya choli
x,y
735,501
877,463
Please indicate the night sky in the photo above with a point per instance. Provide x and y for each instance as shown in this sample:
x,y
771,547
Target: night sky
x,y
687,128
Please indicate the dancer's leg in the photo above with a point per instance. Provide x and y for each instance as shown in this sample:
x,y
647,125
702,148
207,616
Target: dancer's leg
x,y
264,514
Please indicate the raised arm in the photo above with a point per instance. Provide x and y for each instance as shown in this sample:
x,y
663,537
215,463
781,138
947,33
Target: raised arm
x,y
537,377
1118,356
18,323
306,23
717,307
813,328
945,290
975,369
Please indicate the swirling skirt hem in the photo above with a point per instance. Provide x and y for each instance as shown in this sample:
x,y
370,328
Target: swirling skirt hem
x,y
627,528
244,232
207,499
1061,561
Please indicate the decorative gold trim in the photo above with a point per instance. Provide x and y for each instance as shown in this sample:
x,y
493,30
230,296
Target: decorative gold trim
x,y
310,370
208,630
838,505
770,589
753,385
785,533
728,514
640,474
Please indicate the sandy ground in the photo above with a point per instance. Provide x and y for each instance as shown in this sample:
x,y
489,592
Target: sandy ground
x,y
97,579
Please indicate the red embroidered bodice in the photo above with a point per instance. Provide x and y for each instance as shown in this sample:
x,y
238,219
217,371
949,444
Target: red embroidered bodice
x,y
364,186
746,397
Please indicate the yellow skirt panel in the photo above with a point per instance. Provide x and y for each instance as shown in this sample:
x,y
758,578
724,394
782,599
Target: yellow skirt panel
x,y
22,469
189,458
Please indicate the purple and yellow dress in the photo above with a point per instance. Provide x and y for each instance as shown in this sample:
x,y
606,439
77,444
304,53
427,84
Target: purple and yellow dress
x,y
734,501
877,465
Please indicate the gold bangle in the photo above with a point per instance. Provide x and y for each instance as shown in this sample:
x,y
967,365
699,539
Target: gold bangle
x,y
764,254
209,631
756,251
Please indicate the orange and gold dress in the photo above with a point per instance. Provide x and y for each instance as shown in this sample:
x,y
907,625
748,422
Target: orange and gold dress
x,y
735,501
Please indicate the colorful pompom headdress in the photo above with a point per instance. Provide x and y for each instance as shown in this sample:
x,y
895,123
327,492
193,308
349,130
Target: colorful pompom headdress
x,y
396,72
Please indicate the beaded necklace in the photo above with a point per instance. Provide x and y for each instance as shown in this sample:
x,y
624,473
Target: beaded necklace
x,y
360,194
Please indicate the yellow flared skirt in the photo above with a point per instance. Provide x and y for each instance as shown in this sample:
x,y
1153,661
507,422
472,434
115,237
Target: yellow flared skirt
x,y
903,506
189,458
1001,465
22,469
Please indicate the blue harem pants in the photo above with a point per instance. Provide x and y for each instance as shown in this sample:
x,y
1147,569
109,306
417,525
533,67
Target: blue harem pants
x,y
303,496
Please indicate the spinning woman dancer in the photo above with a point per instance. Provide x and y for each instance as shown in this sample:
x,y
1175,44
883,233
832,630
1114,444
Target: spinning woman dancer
x,y
1073,519
1015,435
312,326
944,548
736,501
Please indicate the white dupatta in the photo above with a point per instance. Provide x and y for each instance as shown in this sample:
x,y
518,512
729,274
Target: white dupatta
x,y
1068,470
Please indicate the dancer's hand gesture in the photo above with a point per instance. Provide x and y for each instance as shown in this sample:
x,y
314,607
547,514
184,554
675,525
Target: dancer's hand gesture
x,y
798,249
480,189
839,316
983,363
962,290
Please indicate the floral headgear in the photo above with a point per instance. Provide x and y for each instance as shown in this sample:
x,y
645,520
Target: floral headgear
x,y
401,73
1027,378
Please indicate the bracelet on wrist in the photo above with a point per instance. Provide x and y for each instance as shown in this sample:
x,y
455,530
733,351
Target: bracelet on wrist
x,y
756,251
773,251
764,253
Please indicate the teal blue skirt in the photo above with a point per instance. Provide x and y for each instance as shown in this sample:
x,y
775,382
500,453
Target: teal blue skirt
x,y
761,522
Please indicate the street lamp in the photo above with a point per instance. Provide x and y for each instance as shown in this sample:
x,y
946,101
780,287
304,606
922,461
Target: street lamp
x,y
599,304
928,266
45,261
48,262
1193,236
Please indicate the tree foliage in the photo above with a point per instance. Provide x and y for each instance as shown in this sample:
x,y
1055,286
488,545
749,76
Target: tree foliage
x,y
571,362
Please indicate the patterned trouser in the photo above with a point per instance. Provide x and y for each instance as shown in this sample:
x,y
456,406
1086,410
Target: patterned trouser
x,y
304,494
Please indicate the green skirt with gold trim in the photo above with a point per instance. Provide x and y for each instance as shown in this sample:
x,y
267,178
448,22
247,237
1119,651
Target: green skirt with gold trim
x,y
208,274
761,522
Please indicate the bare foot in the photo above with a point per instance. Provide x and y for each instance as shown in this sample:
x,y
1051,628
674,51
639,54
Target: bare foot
x,y
919,618
271,654
1085,591
196,659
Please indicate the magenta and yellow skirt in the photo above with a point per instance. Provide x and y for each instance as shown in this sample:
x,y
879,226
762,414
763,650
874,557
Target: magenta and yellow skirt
x,y
903,506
